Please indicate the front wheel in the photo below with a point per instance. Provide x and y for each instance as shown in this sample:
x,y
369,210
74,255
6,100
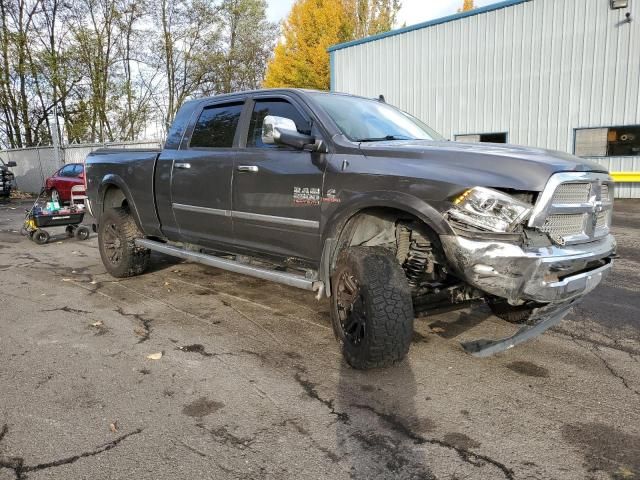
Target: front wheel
x,y
40,236
82,233
372,310
116,240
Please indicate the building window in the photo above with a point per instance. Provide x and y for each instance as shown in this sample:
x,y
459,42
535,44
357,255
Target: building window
x,y
608,142
483,137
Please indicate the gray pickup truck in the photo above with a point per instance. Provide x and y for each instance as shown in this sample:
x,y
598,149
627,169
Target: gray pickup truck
x,y
362,203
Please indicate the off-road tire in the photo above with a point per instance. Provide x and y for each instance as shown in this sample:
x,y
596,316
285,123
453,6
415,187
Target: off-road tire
x,y
130,260
513,314
385,299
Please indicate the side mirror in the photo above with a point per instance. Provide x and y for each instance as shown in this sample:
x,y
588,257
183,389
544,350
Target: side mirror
x,y
282,131
12,164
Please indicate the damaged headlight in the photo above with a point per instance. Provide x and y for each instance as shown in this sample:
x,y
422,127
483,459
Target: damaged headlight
x,y
489,210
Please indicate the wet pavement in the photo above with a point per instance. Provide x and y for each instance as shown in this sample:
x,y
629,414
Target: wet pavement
x,y
250,382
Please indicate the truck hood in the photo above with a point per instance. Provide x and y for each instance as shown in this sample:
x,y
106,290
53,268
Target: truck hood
x,y
476,164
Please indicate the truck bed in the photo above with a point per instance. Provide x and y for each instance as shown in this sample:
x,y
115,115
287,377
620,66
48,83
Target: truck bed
x,y
132,170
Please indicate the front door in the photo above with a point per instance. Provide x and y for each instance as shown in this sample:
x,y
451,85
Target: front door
x,y
277,189
201,177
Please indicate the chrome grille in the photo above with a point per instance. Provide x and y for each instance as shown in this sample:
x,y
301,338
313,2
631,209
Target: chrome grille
x,y
572,193
561,226
575,207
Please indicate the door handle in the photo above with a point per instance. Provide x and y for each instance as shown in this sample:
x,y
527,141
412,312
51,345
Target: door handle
x,y
182,165
248,168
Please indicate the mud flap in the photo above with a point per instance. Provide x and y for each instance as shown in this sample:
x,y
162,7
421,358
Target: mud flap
x,y
543,319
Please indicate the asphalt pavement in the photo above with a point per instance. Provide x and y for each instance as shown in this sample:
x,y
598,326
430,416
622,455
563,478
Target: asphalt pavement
x,y
189,372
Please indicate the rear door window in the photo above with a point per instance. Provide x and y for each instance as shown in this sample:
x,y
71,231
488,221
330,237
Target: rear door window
x,y
216,126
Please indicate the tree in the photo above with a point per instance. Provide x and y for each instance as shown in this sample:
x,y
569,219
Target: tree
x,y
371,17
466,6
103,70
247,42
301,58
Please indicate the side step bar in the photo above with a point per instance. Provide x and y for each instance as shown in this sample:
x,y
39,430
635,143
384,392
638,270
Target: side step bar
x,y
290,279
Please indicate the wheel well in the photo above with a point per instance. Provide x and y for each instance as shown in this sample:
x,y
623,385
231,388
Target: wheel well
x,y
114,197
415,245
378,227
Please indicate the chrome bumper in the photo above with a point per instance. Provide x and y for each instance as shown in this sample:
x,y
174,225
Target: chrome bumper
x,y
542,275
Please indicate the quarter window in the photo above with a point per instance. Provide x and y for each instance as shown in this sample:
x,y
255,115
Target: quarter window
x,y
278,108
66,171
216,126
608,142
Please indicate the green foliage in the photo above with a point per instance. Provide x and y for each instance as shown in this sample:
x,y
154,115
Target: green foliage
x,y
117,69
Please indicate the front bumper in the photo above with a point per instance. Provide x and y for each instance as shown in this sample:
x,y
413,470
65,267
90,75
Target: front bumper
x,y
553,274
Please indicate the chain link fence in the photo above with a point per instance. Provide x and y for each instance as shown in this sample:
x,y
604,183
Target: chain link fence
x,y
35,164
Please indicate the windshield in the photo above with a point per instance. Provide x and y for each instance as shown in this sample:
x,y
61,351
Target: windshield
x,y
364,120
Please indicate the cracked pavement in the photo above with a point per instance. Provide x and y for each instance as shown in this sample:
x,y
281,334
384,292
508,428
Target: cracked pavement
x,y
251,383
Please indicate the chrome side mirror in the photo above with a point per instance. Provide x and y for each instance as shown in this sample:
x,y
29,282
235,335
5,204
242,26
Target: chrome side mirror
x,y
272,127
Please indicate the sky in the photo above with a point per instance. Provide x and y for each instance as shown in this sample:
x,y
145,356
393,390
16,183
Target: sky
x,y
412,12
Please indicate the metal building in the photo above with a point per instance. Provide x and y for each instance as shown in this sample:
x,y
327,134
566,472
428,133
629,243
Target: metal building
x,y
557,74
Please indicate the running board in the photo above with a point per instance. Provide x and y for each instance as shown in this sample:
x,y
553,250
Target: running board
x,y
292,280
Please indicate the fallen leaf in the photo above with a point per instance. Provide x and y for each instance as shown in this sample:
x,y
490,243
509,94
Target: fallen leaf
x,y
624,473
113,426
155,356
97,324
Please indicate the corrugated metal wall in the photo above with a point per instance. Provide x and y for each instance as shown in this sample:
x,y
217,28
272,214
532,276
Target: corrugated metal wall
x,y
536,70
37,163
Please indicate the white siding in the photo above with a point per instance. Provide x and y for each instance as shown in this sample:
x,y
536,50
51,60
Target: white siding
x,y
536,70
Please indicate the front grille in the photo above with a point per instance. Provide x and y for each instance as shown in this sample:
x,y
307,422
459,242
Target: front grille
x,y
561,226
575,207
572,193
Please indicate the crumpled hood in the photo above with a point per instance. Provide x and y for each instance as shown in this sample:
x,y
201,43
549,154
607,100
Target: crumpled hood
x,y
476,164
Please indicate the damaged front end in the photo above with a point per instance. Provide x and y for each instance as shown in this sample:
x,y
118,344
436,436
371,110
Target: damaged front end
x,y
548,255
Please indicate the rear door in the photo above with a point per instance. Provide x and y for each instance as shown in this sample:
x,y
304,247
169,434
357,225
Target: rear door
x,y
277,189
201,176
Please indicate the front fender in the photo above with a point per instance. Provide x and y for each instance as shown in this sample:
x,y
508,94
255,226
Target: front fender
x,y
335,222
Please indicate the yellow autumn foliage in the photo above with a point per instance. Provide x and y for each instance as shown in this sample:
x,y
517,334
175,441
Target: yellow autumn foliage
x,y
467,5
301,59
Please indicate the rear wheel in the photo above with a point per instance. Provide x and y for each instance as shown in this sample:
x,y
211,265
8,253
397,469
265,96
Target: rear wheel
x,y
372,310
116,240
